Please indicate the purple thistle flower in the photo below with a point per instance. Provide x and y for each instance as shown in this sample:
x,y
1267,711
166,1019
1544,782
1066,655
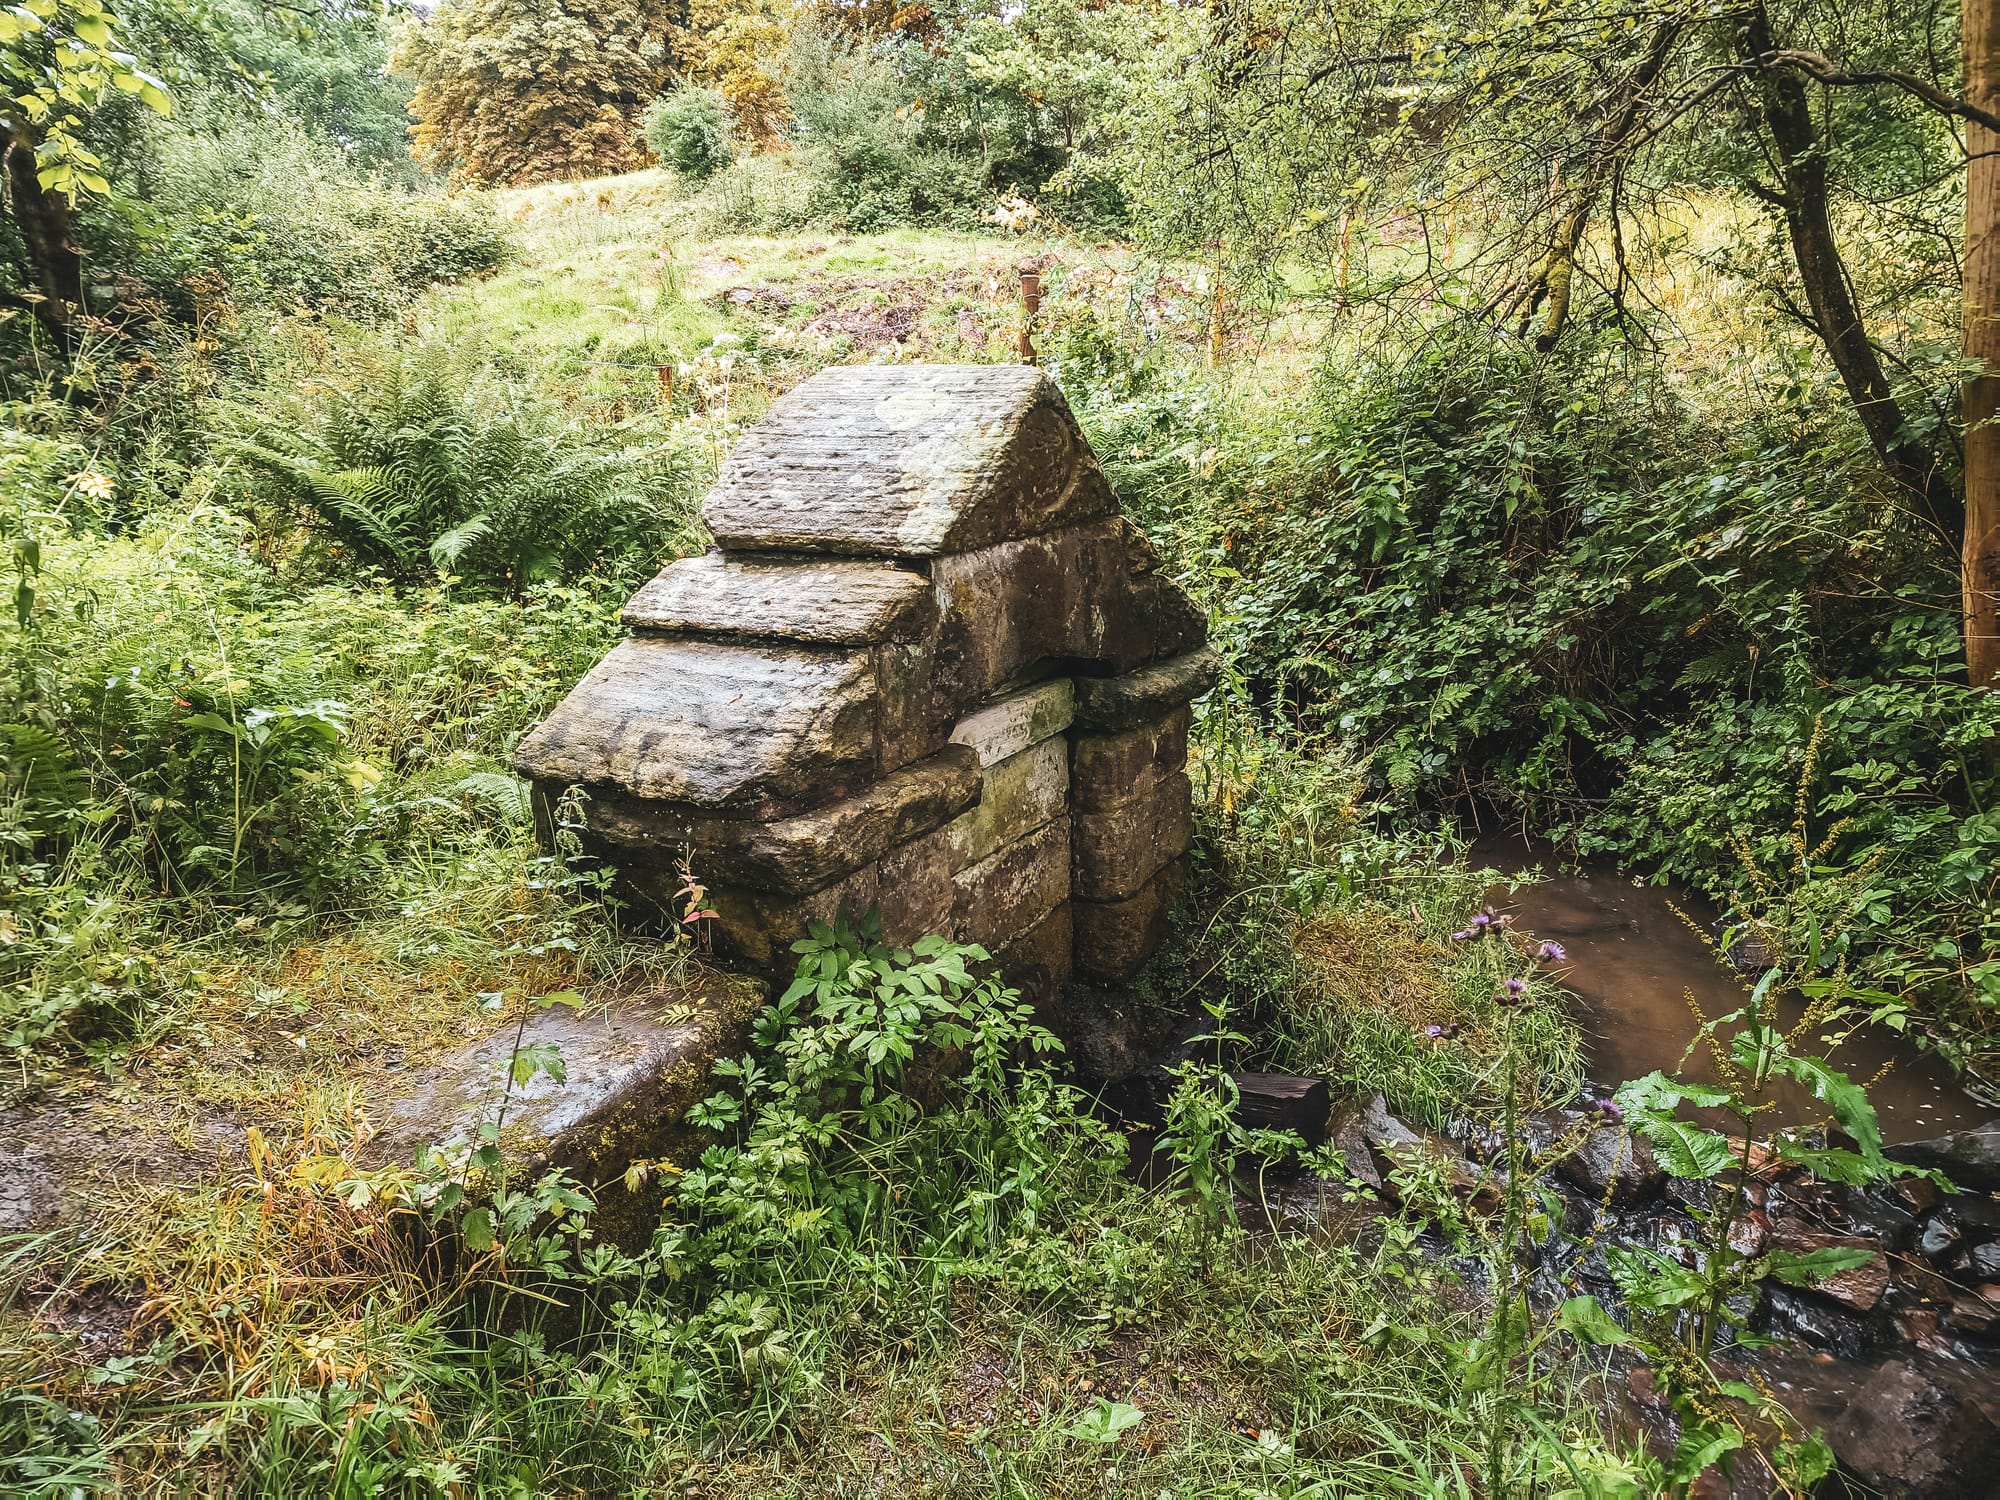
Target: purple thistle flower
x,y
1552,953
1433,1032
1482,919
1465,936
1510,992
1610,1108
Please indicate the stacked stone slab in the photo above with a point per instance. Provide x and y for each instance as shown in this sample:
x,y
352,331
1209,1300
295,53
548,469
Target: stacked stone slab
x,y
928,670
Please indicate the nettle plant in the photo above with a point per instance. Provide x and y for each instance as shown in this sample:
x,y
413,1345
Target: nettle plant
x,y
1682,1313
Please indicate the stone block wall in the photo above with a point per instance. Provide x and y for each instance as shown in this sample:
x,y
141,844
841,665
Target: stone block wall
x,y
929,669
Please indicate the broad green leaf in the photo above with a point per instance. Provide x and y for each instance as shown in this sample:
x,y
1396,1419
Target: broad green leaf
x,y
1586,1318
1815,1266
476,1228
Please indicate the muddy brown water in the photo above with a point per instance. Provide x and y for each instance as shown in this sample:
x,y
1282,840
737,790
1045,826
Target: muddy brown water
x,y
1633,963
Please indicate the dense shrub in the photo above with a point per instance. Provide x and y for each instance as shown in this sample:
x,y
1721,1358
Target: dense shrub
x,y
689,131
256,213
1556,584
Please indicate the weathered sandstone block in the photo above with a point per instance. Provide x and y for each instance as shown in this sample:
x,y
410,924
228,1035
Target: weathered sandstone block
x,y
1117,849
763,596
718,726
801,853
1107,768
907,461
1017,796
1115,938
1008,725
1012,889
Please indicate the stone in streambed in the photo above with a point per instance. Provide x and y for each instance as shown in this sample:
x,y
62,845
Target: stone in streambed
x,y
1611,1162
1970,1158
1919,1430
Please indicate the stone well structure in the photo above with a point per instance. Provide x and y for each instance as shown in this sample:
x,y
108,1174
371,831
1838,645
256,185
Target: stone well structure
x,y
929,668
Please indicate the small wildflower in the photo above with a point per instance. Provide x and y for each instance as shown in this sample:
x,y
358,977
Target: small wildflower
x,y
1610,1108
1482,919
1510,992
1434,1031
1552,953
1464,935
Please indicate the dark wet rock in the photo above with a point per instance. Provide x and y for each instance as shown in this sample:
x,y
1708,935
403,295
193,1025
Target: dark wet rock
x,y
1352,1142
1860,1288
1986,1262
1970,1158
1919,1430
1613,1162
1750,1235
1938,1238
1819,1324
1876,1217
1976,1312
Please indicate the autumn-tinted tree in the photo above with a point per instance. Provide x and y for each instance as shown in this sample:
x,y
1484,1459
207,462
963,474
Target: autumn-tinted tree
x,y
510,92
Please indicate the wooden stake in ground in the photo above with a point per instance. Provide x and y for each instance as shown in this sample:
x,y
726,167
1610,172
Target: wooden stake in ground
x,y
1031,303
1981,309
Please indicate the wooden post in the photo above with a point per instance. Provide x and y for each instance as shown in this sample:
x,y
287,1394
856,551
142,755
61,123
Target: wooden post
x,y
1981,309
1031,303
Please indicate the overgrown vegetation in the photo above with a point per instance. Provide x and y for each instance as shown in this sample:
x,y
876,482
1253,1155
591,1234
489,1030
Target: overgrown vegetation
x,y
1528,477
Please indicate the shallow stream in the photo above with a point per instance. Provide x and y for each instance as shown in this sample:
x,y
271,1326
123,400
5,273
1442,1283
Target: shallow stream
x,y
1633,962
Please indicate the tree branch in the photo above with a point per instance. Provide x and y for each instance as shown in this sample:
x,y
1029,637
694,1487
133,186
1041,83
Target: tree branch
x,y
1823,68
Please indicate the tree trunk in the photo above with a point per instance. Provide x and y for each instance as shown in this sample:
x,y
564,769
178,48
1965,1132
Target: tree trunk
x,y
1981,310
54,263
1809,222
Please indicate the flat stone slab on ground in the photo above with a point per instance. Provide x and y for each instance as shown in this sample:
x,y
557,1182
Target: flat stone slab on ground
x,y
630,1073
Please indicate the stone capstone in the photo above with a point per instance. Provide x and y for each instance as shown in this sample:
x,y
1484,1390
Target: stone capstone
x,y
908,461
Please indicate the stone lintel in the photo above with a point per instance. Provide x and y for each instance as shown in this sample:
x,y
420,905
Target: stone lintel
x,y
1114,703
774,596
1005,727
802,853
907,461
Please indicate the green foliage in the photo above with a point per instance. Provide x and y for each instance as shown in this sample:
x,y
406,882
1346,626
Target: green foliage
x,y
238,213
689,131
428,461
